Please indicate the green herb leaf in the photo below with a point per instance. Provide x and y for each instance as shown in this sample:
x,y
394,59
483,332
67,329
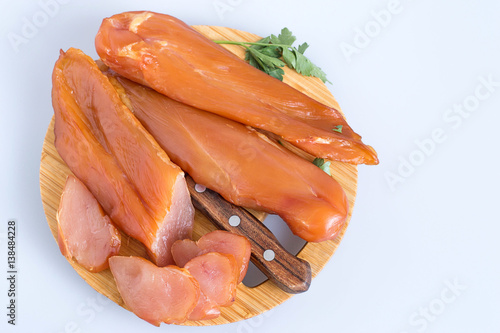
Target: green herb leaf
x,y
252,61
304,66
276,73
303,47
271,53
325,166
337,129
285,37
264,60
318,72
289,57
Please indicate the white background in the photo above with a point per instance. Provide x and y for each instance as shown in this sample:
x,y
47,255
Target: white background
x,y
438,225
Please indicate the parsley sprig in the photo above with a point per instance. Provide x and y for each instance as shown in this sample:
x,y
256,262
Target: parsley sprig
x,y
270,54
337,128
323,165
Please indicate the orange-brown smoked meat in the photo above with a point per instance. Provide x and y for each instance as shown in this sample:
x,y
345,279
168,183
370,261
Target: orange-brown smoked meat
x,y
240,164
167,55
84,232
107,148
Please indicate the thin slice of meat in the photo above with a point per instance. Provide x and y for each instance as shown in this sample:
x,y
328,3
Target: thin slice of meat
x,y
240,164
185,250
85,232
217,275
216,241
205,309
228,243
164,53
155,294
109,150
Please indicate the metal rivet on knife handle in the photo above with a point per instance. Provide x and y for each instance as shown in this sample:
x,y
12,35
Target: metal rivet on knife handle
x,y
288,272
199,188
268,255
234,221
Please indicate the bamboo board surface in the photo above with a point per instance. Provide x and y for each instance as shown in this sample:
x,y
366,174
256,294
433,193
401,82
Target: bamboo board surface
x,y
250,301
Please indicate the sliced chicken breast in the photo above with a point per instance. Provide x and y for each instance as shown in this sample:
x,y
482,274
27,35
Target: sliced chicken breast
x,y
85,232
155,294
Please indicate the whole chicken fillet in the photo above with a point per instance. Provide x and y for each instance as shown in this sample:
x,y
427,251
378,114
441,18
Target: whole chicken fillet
x,y
164,53
239,163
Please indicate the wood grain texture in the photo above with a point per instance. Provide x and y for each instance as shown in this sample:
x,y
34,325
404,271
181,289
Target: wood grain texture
x,y
250,301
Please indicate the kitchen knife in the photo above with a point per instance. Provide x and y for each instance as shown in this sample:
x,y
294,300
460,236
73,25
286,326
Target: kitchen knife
x,y
288,272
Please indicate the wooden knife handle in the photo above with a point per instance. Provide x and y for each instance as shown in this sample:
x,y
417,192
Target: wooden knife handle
x,y
288,272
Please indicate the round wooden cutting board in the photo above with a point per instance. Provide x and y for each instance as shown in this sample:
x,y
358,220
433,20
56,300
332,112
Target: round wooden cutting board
x,y
250,301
